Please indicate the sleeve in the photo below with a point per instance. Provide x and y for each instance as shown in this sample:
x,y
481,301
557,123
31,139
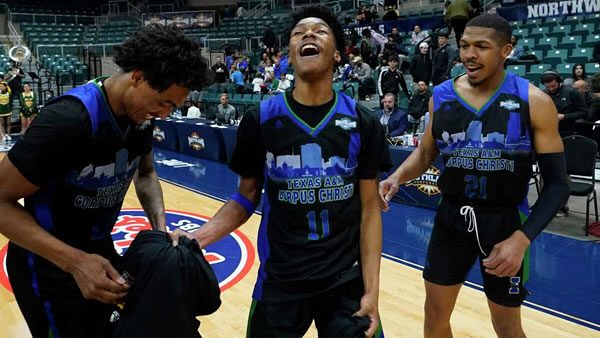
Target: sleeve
x,y
379,89
49,147
374,153
403,85
248,159
579,107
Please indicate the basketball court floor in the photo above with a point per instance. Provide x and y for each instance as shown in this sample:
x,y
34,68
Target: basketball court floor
x,y
564,284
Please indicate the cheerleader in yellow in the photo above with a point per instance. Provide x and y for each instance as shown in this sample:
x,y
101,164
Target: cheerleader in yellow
x,y
5,112
28,107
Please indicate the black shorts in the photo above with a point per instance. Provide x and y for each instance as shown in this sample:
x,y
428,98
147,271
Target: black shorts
x,y
453,250
51,301
332,312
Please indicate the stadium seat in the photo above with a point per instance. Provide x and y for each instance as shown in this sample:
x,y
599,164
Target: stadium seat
x,y
530,24
592,68
584,29
555,56
564,69
545,44
539,32
559,31
590,41
536,71
517,69
581,55
571,42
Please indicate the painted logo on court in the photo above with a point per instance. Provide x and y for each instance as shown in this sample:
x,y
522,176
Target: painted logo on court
x,y
195,141
427,183
158,134
231,258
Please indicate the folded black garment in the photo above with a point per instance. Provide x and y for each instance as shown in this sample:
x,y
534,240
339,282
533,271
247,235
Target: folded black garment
x,y
172,285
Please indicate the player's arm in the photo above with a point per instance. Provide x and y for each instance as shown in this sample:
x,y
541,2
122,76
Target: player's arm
x,y
370,251
506,257
415,165
149,192
91,272
231,215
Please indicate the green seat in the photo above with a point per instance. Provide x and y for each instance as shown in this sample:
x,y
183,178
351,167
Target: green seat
x,y
545,44
556,56
592,68
571,42
581,55
539,32
530,24
555,21
520,70
572,20
521,32
584,29
564,69
593,19
590,40
536,71
560,31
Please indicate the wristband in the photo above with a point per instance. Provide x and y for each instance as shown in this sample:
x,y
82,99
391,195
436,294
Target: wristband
x,y
244,202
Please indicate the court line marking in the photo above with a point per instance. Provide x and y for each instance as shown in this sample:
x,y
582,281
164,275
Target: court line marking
x,y
529,304
478,287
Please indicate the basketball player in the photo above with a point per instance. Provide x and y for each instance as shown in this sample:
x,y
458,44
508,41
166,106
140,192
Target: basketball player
x,y
486,124
317,154
73,167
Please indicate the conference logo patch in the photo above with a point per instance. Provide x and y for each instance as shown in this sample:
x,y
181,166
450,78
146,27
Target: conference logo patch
x,y
195,141
231,258
158,134
427,183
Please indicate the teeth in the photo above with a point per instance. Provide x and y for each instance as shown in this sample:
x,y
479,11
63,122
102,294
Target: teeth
x,y
308,46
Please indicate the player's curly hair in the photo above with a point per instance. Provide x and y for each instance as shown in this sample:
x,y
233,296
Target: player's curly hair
x,y
166,57
324,13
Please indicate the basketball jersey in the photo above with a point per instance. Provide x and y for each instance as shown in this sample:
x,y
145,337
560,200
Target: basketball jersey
x,y
487,153
81,207
309,233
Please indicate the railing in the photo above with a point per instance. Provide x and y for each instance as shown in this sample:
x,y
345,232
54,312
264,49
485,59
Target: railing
x,y
56,18
260,9
61,48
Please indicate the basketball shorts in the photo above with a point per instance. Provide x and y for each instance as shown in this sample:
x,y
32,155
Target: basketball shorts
x,y
332,312
461,233
51,301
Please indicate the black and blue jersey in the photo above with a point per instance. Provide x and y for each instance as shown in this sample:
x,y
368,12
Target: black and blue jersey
x,y
487,152
308,240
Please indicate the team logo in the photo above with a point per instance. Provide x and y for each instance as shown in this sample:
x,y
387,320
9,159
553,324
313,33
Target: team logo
x,y
427,183
158,134
231,258
510,105
195,141
345,123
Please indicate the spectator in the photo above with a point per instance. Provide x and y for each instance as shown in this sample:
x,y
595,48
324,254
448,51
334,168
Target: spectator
x,y
268,68
240,11
421,64
376,40
396,35
257,83
419,103
284,84
582,87
517,51
49,96
268,38
578,74
221,72
569,104
393,120
225,112
443,60
193,112
231,59
362,73
417,35
238,78
390,15
594,111
458,15
366,53
391,79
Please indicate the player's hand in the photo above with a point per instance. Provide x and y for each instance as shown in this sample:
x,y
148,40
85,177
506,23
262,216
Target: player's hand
x,y
97,279
368,308
506,257
387,189
175,235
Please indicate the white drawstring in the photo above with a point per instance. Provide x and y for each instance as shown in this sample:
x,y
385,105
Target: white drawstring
x,y
469,211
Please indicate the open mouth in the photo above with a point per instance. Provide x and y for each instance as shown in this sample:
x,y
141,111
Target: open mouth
x,y
309,50
473,69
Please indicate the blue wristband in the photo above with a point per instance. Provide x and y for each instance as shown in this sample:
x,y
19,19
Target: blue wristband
x,y
244,202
